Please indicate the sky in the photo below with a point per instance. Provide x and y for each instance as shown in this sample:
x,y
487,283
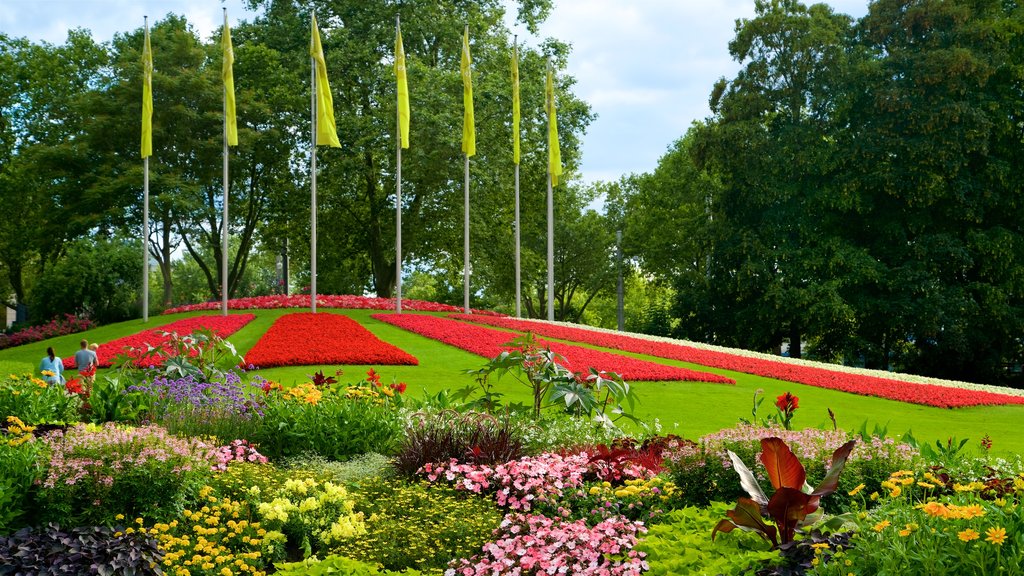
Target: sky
x,y
646,67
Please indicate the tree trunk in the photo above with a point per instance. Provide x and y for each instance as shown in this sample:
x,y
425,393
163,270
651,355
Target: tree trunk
x,y
795,350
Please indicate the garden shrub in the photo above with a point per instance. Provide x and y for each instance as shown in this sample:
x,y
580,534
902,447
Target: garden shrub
x,y
472,437
254,481
532,544
555,432
97,472
915,533
217,534
67,324
19,471
336,565
636,499
703,471
34,401
323,420
78,551
313,516
681,544
359,468
418,526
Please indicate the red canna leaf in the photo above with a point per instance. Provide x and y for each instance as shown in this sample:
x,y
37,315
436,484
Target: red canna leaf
x,y
788,508
747,516
783,467
831,481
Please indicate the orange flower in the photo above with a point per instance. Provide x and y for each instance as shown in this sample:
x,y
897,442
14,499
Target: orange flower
x,y
968,535
881,525
996,535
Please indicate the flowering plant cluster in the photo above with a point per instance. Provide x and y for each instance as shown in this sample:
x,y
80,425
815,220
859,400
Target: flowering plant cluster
x,y
820,376
18,431
963,530
489,343
96,470
787,405
323,301
535,544
141,343
637,499
237,451
313,516
69,324
219,537
521,484
35,401
339,340
190,396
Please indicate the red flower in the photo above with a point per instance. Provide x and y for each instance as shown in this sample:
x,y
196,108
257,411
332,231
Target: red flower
x,y
73,386
787,403
400,387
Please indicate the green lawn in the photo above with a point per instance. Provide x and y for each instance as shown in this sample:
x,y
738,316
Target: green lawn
x,y
686,408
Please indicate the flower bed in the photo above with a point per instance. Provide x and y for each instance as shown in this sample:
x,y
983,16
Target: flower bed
x,y
222,326
56,327
324,301
339,340
924,394
488,343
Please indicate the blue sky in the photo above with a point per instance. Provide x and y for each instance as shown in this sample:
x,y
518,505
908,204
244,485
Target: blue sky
x,y
645,66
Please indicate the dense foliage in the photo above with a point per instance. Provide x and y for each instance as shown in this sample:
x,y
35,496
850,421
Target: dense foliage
x,y
852,191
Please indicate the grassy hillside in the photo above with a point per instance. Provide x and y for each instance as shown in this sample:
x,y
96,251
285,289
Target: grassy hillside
x,y
684,408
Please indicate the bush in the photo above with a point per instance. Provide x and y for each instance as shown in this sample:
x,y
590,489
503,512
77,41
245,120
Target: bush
x,y
472,437
313,516
19,472
359,468
67,324
681,544
36,402
97,472
321,420
336,565
87,550
417,525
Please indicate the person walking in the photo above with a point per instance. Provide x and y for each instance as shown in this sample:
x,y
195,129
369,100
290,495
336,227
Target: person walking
x,y
52,367
86,361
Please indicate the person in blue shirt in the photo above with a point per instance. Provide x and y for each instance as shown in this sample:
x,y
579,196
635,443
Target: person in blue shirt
x,y
53,364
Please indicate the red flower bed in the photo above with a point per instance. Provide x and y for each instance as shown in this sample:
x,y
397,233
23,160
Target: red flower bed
x,y
305,338
324,301
488,343
222,326
915,393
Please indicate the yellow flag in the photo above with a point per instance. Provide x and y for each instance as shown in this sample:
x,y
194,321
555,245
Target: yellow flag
x,y
227,73
147,98
515,104
468,127
403,88
554,154
326,132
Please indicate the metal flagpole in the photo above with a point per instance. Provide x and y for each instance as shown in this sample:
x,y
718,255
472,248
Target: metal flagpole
x,y
224,242
398,214
465,231
398,197
145,221
312,172
515,137
518,269
145,239
551,250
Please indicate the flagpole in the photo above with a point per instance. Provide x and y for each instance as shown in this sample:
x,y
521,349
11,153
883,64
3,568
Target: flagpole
x,y
145,239
551,251
465,232
515,137
398,195
551,228
224,231
312,171
145,220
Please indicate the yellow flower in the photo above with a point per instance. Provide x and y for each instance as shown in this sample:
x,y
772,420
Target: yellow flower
x,y
967,535
874,496
881,525
856,490
996,535
119,517
926,485
896,491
